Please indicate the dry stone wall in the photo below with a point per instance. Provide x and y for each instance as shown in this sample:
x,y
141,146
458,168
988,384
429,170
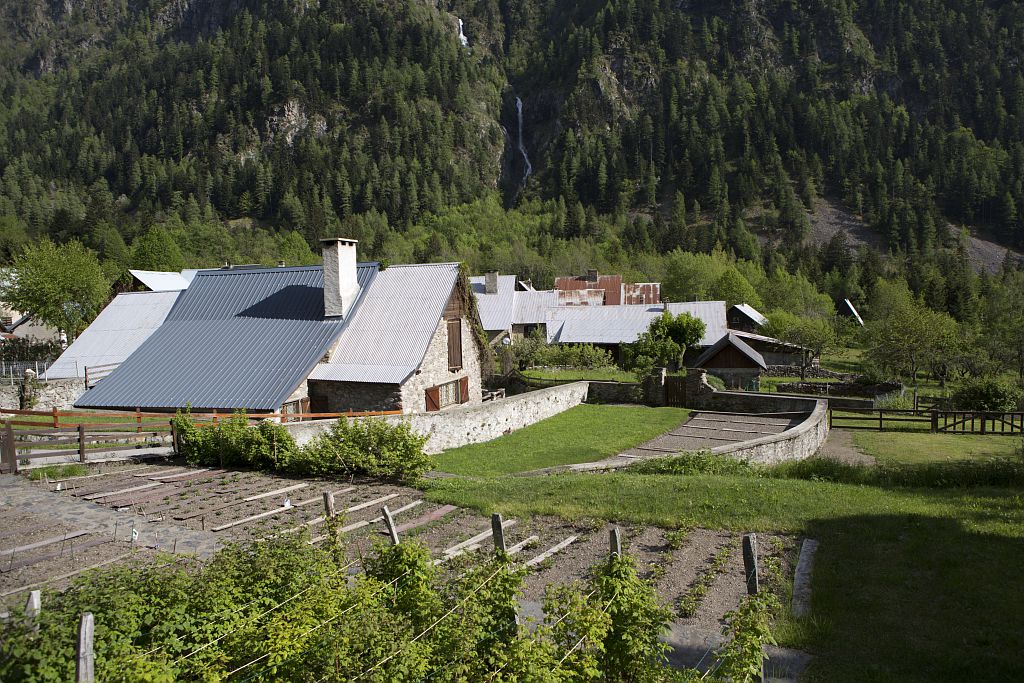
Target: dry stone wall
x,y
57,393
474,423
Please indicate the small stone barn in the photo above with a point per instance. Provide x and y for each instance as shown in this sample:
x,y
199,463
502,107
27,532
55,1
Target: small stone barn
x,y
345,336
733,360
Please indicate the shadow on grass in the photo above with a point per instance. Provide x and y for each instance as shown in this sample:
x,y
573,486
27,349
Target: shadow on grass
x,y
916,598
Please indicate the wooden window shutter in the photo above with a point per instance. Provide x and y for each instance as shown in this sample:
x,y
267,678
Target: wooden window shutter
x,y
464,390
455,344
433,399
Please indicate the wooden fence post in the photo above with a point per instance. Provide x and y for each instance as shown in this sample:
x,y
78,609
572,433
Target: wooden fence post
x,y
33,606
138,420
614,542
329,504
81,442
389,522
84,669
56,418
498,531
880,420
935,421
10,450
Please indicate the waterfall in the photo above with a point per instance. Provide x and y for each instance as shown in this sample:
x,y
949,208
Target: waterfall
x,y
522,148
462,36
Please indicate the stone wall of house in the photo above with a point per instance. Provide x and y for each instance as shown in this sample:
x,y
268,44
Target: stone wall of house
x,y
473,423
357,396
434,369
57,393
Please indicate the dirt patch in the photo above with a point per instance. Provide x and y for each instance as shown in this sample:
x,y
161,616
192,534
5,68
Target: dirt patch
x,y
839,446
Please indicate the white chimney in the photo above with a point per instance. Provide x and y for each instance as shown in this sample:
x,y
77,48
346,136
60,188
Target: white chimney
x,y
340,285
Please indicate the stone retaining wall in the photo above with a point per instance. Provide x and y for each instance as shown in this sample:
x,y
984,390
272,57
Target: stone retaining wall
x,y
615,392
57,393
464,425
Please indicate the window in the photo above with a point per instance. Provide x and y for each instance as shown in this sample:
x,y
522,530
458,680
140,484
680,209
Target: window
x,y
447,394
455,344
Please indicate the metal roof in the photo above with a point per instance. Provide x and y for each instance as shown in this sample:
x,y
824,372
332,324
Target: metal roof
x,y
496,310
117,331
623,324
162,280
532,307
752,313
730,339
236,338
388,334
765,339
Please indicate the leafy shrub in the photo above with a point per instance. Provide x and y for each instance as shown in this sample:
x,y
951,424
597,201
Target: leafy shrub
x,y
989,394
369,446
896,400
233,443
716,381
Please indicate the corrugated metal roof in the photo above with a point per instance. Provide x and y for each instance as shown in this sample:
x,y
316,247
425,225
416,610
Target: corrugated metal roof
x,y
623,324
763,338
161,280
532,307
117,331
752,313
496,310
388,335
730,339
236,338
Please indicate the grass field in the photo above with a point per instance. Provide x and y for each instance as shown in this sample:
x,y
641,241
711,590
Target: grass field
x,y
906,448
583,434
909,584
596,374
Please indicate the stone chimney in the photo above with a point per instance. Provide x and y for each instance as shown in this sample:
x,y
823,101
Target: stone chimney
x,y
491,282
340,285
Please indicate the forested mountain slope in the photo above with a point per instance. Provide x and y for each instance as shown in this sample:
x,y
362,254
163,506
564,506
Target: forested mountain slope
x,y
649,124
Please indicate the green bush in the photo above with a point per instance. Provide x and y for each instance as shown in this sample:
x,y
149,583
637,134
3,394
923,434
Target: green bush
x,y
582,356
689,464
369,446
989,394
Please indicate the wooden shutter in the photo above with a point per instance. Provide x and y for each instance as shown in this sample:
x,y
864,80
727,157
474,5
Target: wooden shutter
x,y
464,390
433,399
455,344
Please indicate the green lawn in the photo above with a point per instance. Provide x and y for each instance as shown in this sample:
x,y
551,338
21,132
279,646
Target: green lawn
x,y
908,448
596,374
844,359
583,434
909,584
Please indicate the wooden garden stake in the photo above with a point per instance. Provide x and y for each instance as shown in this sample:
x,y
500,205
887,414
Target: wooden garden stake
x,y
86,658
750,563
614,542
389,522
498,531
329,504
33,606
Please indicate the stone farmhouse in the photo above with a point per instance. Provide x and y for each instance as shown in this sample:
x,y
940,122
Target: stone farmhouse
x,y
344,336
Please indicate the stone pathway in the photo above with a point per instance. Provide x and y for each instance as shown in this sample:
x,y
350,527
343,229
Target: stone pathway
x,y
20,494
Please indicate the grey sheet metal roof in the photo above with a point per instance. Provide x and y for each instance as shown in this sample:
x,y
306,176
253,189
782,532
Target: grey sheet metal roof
x,y
727,340
117,331
388,334
236,338
751,336
496,310
532,307
752,313
162,281
623,324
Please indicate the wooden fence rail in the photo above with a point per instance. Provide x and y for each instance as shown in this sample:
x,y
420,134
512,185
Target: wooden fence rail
x,y
934,421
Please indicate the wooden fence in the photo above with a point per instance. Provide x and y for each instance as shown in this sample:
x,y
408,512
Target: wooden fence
x,y
934,421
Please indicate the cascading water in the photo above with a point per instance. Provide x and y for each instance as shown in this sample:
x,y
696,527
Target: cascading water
x,y
462,36
522,148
